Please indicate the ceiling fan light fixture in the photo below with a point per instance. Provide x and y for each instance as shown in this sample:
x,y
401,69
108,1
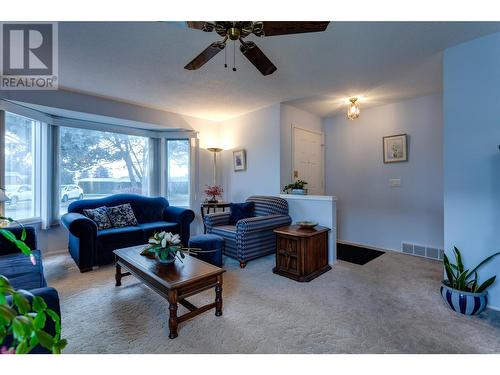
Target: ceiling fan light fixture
x,y
353,110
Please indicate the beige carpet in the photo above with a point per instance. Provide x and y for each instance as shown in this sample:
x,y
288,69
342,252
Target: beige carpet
x,y
390,305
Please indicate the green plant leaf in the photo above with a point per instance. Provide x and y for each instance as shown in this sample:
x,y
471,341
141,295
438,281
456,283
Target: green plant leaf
x,y
39,304
7,312
22,348
486,284
483,262
59,346
40,320
22,303
461,281
56,319
4,282
458,257
18,329
449,272
3,298
23,234
46,340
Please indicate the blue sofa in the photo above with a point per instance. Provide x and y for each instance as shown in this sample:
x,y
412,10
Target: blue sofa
x,y
22,274
91,247
253,237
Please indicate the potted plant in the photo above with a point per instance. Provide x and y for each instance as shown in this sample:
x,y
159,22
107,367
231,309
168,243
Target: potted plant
x,y
23,319
461,291
296,187
165,246
213,192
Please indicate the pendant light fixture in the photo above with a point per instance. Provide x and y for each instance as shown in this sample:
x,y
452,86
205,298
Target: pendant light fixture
x,y
353,109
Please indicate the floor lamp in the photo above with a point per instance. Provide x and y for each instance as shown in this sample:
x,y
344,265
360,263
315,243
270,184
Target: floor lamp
x,y
215,150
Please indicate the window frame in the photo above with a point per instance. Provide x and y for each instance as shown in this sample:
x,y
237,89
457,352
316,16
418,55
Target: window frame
x,y
47,154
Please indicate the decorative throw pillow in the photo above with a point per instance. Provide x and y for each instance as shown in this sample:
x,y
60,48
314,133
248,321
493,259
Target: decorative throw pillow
x,y
99,216
122,216
240,211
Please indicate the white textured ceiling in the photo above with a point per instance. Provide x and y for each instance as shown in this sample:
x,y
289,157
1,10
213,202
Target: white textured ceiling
x,y
143,63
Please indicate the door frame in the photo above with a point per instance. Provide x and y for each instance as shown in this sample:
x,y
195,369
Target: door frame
x,y
292,164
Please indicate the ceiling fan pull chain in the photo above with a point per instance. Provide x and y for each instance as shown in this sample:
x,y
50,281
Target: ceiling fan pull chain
x,y
234,56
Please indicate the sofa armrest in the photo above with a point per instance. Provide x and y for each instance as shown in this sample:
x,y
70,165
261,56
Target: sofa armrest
x,y
7,247
262,223
178,215
182,216
216,219
79,225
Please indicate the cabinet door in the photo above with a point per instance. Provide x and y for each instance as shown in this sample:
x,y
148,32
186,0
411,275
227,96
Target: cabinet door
x,y
287,255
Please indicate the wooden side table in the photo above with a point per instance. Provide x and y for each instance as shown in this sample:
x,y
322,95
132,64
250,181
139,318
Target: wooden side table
x,y
301,254
213,206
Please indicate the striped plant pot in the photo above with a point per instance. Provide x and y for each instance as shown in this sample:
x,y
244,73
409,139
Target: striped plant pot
x,y
466,303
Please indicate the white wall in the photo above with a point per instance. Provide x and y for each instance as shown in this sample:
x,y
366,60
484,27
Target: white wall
x,y
471,154
370,212
290,117
258,133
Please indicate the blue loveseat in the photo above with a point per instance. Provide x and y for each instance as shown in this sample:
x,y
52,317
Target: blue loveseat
x,y
22,274
91,247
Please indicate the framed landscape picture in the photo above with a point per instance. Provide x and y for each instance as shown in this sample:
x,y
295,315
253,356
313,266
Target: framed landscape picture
x,y
239,160
395,148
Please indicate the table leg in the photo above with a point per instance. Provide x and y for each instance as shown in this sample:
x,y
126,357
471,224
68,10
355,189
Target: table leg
x,y
118,275
172,321
218,296
203,219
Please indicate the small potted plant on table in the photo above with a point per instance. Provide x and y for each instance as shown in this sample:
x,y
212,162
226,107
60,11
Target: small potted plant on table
x,y
461,291
212,193
298,187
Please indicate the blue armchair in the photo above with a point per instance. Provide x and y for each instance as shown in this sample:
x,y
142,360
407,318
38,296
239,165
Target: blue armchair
x,y
22,274
253,237
90,247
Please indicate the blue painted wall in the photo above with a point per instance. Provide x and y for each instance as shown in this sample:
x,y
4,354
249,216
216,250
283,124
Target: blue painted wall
x,y
471,155
369,211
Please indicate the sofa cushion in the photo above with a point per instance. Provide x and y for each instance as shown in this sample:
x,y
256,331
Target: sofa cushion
x,y
116,238
150,229
99,216
122,216
21,273
240,211
224,230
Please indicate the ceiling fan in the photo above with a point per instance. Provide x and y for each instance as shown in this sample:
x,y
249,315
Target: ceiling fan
x,y
239,30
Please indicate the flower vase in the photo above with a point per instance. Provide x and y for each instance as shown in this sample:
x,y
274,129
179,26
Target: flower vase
x,y
165,257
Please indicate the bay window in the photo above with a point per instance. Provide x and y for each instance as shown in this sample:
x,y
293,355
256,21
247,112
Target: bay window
x,y
178,172
20,177
95,164
46,163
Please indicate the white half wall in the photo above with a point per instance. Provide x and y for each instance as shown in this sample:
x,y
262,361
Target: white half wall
x,y
471,155
370,212
258,133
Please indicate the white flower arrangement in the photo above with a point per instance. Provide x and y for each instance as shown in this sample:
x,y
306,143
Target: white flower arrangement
x,y
165,246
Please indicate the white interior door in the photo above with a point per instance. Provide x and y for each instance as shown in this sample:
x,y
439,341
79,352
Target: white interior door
x,y
308,159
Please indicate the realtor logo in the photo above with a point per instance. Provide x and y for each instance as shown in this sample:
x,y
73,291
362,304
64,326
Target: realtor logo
x,y
29,58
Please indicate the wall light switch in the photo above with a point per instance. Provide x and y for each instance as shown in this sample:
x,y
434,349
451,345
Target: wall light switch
x,y
395,182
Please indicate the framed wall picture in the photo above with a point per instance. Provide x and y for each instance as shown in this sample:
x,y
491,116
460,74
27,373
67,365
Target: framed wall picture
x,y
239,160
395,148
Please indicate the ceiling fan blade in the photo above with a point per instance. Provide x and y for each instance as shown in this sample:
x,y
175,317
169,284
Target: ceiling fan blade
x,y
209,52
200,25
271,28
257,58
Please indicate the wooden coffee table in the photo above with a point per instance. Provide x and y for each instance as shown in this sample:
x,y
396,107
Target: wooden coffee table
x,y
175,281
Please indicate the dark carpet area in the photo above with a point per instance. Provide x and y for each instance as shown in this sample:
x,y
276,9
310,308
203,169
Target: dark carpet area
x,y
356,254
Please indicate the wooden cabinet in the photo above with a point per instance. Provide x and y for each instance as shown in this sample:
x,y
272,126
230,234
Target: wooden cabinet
x,y
301,254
